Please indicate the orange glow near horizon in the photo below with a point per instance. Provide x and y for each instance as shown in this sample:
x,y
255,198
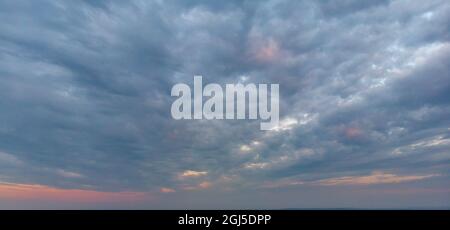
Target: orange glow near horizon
x,y
12,191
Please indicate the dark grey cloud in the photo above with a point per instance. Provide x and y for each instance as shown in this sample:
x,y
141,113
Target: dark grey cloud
x,y
85,97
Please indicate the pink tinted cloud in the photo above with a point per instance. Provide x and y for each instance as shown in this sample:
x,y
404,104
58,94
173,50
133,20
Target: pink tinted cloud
x,y
167,190
265,50
201,186
374,178
353,132
268,52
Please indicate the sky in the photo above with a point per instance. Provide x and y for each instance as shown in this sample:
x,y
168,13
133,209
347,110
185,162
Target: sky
x,y
85,104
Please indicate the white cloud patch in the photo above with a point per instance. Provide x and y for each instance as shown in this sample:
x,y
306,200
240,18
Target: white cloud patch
x,y
192,173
